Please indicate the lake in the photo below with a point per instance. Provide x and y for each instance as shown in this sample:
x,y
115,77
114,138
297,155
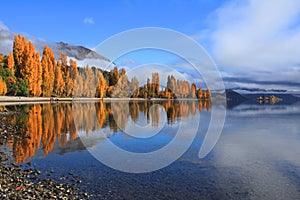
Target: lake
x,y
257,155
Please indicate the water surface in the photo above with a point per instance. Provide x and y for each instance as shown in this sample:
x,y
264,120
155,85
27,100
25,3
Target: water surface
x,y
256,157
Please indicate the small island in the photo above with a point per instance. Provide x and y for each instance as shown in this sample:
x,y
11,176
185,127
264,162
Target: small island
x,y
272,99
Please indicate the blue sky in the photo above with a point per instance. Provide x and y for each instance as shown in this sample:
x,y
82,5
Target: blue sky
x,y
90,22
248,39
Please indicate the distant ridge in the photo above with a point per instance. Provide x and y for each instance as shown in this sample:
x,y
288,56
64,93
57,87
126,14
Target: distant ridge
x,y
234,98
78,52
82,54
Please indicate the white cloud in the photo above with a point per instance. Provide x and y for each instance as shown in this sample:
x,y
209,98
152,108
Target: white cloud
x,y
3,26
257,35
128,62
88,20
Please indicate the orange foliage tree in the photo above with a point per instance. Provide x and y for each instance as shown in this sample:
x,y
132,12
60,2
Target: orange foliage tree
x,y
11,63
101,87
3,88
18,51
193,90
28,64
72,72
59,83
48,66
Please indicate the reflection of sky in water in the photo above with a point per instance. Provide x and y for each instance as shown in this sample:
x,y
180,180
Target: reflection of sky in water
x,y
263,148
256,157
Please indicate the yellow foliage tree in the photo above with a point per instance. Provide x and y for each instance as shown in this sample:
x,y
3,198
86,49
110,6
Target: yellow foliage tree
x,y
11,63
18,51
72,72
48,65
59,83
193,90
3,88
101,87
28,64
2,59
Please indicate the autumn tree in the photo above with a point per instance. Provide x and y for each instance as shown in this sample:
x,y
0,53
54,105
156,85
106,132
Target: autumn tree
x,y
11,63
59,83
37,76
27,64
19,46
143,92
155,84
3,88
101,87
134,87
148,87
166,94
65,72
78,90
122,89
71,73
114,76
207,94
91,80
182,88
86,82
200,94
2,59
30,69
171,84
193,90
48,66
63,59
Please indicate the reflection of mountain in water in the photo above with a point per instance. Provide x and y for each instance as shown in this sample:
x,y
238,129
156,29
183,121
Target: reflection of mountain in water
x,y
55,127
257,109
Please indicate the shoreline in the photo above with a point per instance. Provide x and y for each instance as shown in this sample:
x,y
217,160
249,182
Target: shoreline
x,y
10,100
24,180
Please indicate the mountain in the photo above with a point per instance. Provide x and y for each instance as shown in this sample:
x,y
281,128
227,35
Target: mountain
x,y
81,54
233,98
78,52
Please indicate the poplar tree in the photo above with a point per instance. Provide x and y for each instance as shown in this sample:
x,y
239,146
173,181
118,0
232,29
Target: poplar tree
x,y
3,88
11,63
48,66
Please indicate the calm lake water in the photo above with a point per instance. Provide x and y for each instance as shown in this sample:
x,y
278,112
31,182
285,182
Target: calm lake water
x,y
257,155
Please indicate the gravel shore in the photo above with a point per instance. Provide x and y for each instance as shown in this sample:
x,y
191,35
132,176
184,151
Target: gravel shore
x,y
23,181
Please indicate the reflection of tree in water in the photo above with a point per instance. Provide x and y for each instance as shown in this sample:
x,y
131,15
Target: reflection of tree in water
x,y
120,113
155,115
48,136
26,147
45,124
134,110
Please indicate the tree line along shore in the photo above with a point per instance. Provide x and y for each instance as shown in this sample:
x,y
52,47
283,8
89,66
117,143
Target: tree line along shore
x,y
26,73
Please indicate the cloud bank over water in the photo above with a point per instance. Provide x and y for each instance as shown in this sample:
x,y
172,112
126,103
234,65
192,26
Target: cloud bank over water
x,y
257,40
258,35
